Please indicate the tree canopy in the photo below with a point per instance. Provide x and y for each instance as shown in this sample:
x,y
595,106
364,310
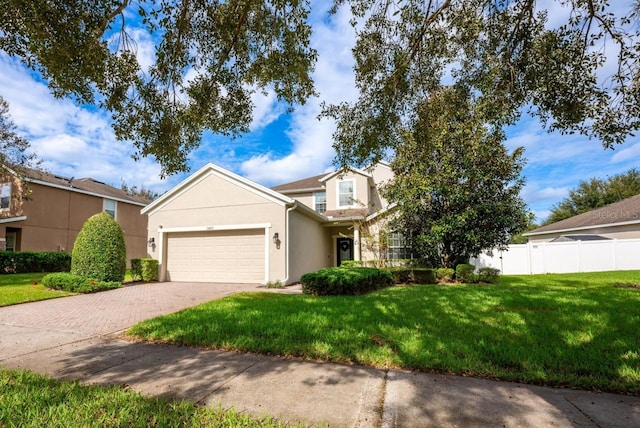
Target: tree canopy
x,y
595,193
457,187
14,149
509,55
210,56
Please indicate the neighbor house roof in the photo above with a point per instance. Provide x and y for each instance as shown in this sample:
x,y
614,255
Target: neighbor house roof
x,y
81,185
304,185
626,211
579,237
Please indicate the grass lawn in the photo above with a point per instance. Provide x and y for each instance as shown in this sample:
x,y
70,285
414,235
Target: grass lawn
x,y
19,288
573,330
30,400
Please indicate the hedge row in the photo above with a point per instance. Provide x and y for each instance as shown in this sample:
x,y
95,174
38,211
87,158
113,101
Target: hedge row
x,y
144,270
30,261
76,283
336,281
413,275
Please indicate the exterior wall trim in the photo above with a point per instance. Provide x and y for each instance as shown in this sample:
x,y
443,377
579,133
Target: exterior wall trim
x,y
339,171
13,219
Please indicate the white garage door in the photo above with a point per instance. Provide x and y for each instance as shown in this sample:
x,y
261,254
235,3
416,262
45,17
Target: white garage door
x,y
222,256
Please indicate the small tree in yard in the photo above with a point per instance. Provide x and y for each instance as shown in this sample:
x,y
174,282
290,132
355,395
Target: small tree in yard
x,y
457,187
100,251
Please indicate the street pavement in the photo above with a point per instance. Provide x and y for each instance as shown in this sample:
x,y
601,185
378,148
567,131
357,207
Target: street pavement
x,y
77,338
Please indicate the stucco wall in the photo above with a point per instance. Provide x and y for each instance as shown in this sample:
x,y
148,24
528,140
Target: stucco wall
x,y
55,217
310,243
361,190
215,201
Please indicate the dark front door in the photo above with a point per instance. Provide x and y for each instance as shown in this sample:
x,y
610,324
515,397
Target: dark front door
x,y
345,249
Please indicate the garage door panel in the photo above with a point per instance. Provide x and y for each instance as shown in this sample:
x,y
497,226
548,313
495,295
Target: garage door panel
x,y
221,256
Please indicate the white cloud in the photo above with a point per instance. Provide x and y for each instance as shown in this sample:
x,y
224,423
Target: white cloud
x,y
70,140
266,109
631,152
312,138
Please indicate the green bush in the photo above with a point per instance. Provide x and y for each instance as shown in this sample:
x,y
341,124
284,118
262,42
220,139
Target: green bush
x,y
345,281
76,284
424,275
464,273
400,275
99,251
488,275
136,269
149,269
30,261
351,263
444,274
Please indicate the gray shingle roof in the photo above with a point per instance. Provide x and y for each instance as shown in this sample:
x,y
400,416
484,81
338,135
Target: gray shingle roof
x,y
304,184
626,210
84,184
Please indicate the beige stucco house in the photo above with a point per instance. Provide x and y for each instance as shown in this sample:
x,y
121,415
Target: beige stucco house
x,y
217,226
51,215
620,220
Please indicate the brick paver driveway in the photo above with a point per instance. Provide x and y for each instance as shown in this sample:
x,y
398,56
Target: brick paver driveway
x,y
114,310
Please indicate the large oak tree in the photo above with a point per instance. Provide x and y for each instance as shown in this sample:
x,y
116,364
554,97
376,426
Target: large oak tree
x,y
210,56
504,50
510,56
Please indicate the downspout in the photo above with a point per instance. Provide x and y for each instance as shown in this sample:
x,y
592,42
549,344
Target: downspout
x,y
286,243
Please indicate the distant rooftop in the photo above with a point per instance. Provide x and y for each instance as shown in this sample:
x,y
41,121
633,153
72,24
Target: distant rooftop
x,y
624,211
83,184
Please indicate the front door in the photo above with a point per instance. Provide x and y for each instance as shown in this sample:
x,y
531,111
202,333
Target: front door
x,y
344,249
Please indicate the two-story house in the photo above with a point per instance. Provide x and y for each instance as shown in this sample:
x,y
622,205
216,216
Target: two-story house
x,y
48,213
216,226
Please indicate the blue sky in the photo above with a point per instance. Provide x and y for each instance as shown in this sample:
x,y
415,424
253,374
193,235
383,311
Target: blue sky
x,y
78,142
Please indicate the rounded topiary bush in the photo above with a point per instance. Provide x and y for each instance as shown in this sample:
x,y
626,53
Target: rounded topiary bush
x,y
99,251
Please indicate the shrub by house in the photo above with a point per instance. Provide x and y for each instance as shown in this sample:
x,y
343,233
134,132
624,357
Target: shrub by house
x,y
100,251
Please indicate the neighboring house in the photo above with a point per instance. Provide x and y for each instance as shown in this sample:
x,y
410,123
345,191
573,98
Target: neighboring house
x,y
620,220
54,209
217,226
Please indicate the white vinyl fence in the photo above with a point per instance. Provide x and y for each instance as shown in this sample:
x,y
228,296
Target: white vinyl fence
x,y
564,257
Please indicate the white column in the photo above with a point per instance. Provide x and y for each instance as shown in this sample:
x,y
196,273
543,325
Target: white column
x,y
356,243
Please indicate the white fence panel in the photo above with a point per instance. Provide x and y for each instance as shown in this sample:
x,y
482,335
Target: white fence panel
x,y
597,256
564,257
627,255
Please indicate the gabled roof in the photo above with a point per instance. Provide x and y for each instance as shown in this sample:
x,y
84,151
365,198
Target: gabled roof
x,y
626,211
211,169
304,185
87,186
343,170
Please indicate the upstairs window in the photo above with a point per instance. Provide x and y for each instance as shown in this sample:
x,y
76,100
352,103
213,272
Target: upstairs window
x,y
346,194
110,207
5,196
320,202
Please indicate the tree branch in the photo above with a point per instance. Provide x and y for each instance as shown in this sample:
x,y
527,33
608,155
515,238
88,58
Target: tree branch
x,y
107,19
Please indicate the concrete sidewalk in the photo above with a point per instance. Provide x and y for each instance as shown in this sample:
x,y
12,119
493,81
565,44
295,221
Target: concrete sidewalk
x,y
290,389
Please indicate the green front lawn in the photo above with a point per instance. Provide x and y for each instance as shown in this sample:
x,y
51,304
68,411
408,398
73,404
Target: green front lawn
x,y
574,330
25,287
30,400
